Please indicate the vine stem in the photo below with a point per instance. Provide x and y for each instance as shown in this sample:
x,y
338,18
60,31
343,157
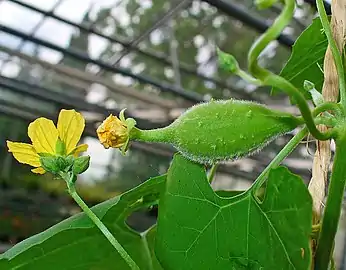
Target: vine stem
x,y
329,106
303,106
270,79
72,191
335,51
289,147
333,207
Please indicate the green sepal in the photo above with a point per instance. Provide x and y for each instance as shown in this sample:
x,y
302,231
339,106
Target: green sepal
x,y
69,162
50,164
55,164
81,164
130,123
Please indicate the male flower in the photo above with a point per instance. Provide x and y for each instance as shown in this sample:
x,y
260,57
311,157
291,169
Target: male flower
x,y
49,141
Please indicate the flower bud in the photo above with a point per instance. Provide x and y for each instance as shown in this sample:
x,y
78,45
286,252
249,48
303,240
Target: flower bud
x,y
227,62
317,97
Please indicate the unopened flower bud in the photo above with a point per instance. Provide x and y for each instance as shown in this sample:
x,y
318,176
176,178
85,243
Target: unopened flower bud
x,y
227,62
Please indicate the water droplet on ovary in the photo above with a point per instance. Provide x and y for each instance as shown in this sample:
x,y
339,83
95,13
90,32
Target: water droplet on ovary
x,y
249,114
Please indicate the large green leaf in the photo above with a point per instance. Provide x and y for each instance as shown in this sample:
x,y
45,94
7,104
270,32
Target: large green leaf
x,y
76,243
197,229
307,58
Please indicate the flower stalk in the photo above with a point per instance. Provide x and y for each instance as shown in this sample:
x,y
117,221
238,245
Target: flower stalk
x,y
70,180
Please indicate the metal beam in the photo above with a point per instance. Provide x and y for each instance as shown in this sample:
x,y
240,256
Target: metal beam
x,y
189,95
177,6
63,100
92,78
244,16
256,23
160,57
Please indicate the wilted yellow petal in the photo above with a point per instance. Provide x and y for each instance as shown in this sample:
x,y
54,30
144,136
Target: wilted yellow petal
x,y
43,135
38,170
70,126
79,149
112,132
24,153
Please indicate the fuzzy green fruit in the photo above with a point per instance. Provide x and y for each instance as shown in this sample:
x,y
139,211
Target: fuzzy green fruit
x,y
222,130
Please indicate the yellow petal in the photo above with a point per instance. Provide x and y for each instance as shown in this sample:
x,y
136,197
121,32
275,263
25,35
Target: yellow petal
x,y
112,132
70,126
79,149
43,135
38,170
24,153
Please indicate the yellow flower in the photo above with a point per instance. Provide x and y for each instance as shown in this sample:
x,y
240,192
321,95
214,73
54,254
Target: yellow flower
x,y
48,139
112,132
115,132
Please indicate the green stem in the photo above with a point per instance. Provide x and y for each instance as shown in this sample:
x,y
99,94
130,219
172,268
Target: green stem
x,y
268,78
72,191
333,207
289,147
303,106
271,34
246,77
327,121
152,135
335,51
328,106
212,172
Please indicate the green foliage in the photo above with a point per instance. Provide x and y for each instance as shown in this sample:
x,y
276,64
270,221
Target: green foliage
x,y
76,244
306,59
201,230
221,130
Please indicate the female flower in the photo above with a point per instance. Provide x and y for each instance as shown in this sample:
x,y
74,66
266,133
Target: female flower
x,y
48,140
115,132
